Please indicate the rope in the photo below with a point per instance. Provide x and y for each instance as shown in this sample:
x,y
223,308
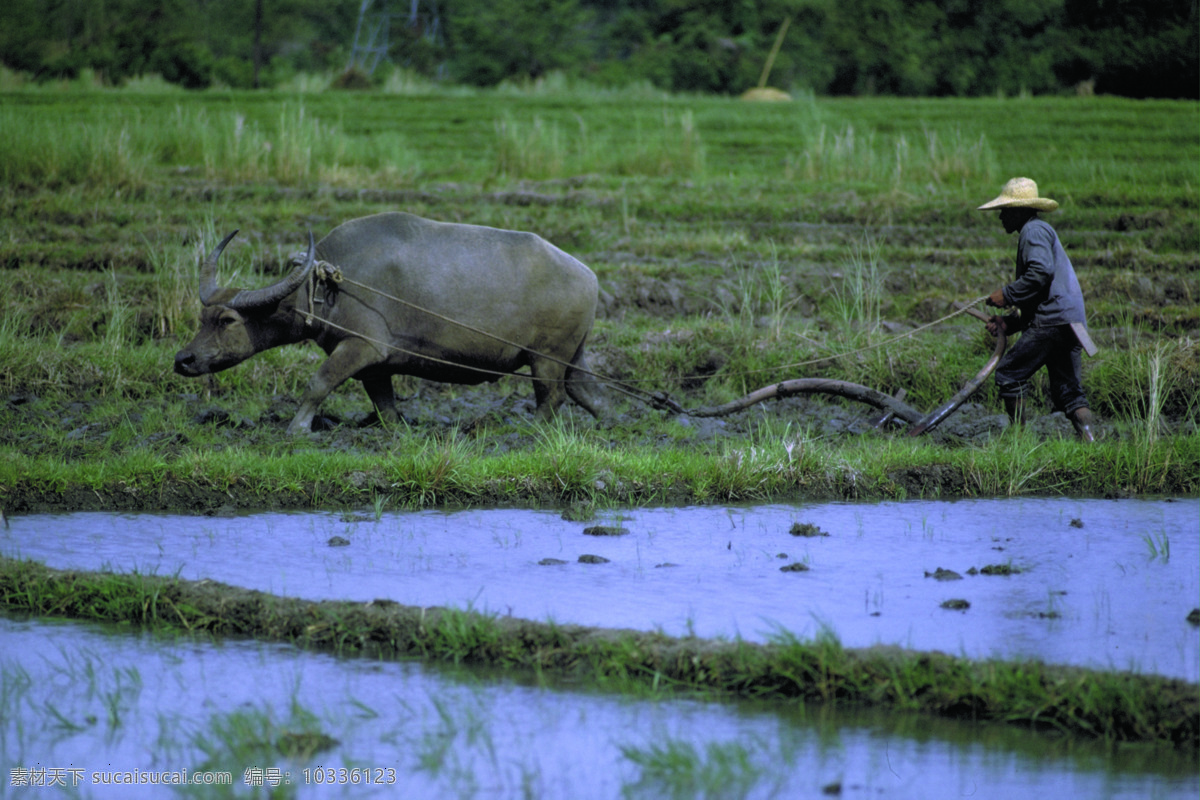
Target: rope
x,y
323,271
965,308
637,394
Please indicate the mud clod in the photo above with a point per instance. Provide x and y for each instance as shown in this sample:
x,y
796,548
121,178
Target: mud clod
x,y
605,530
944,575
303,745
806,529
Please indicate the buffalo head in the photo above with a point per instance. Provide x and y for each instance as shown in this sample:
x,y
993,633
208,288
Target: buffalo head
x,y
235,324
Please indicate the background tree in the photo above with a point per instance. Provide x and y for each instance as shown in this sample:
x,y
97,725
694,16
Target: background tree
x,y
906,47
493,40
1133,48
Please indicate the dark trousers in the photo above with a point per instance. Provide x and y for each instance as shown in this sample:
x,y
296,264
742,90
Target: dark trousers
x,y
1059,351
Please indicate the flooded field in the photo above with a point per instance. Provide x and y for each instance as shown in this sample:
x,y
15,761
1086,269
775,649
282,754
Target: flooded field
x,y
88,703
1099,583
1105,584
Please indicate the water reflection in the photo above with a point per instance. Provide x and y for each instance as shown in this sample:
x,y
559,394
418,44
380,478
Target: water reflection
x,y
89,699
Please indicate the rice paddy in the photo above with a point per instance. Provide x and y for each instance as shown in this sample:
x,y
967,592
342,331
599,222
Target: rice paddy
x,y
736,245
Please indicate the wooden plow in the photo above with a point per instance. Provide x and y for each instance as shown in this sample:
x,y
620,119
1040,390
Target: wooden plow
x,y
892,406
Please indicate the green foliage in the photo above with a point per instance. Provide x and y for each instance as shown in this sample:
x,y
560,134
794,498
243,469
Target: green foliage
x,y
861,47
677,768
664,144
494,40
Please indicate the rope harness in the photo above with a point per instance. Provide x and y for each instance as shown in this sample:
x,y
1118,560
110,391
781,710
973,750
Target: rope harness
x,y
332,276
324,272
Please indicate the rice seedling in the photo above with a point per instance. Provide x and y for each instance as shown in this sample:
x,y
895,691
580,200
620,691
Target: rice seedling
x,y
119,699
677,149
678,768
542,149
862,154
97,151
858,294
536,150
253,737
1156,386
16,737
463,726
1158,546
174,293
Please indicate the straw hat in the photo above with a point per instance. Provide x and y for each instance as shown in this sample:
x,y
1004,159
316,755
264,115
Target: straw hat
x,y
1020,193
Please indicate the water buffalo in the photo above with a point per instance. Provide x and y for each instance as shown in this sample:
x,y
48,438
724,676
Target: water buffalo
x,y
415,297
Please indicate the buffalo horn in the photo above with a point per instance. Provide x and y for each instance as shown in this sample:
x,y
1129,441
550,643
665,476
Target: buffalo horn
x,y
254,298
208,271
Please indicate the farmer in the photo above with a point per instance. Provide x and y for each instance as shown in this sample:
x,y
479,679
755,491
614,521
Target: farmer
x,y
1049,303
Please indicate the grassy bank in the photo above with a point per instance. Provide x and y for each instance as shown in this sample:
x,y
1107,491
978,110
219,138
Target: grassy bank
x,y
1117,707
582,468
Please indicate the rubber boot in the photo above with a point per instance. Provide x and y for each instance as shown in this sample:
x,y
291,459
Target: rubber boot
x,y
1015,406
1082,419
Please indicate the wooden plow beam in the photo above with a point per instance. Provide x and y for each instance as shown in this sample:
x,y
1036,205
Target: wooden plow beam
x,y
919,423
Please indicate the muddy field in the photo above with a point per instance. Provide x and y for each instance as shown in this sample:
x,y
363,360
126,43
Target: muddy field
x,y
735,245
498,422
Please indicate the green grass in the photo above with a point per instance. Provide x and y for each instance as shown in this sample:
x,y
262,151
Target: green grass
x,y
666,144
678,768
254,737
419,472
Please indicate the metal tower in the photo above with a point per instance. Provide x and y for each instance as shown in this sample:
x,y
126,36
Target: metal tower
x,y
375,20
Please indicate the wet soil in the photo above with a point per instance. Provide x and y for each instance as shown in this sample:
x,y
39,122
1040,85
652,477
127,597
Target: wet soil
x,y
641,278
497,421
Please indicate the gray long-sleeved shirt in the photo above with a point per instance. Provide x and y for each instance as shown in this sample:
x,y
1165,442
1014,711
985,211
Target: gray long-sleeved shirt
x,y
1046,289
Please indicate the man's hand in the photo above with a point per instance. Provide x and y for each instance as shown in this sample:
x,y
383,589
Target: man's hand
x,y
996,299
995,324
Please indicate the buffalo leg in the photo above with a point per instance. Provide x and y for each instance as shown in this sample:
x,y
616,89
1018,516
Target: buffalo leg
x,y
350,357
547,386
379,389
583,388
